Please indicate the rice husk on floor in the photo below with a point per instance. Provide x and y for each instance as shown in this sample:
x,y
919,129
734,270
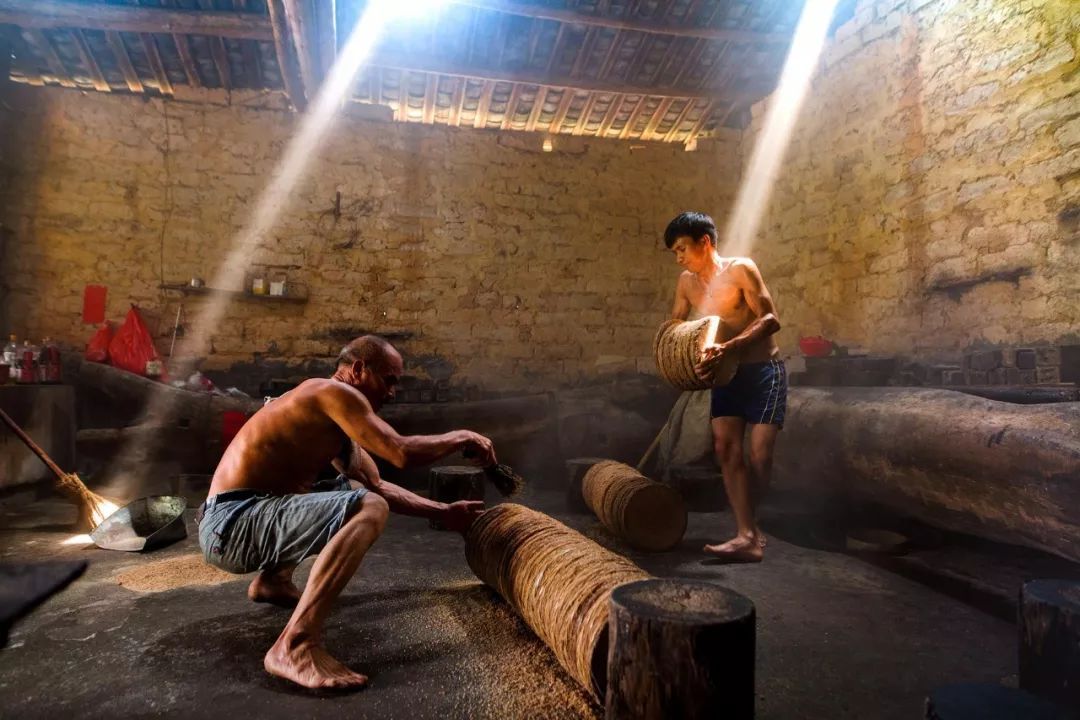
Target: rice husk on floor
x,y
172,573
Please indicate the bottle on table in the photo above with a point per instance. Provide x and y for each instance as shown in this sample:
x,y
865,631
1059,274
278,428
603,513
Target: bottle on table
x,y
50,369
11,356
27,363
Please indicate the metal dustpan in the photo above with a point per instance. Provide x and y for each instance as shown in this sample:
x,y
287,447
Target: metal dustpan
x,y
143,524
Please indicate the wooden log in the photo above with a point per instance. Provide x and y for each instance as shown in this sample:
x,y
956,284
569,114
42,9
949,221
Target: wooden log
x,y
556,579
575,473
646,514
680,649
1049,623
450,483
677,349
996,470
701,487
983,701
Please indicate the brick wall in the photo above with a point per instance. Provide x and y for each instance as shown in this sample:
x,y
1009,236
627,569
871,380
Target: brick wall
x,y
506,267
929,201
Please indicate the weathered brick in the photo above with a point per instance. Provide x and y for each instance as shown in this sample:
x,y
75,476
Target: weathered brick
x,y
1048,375
1025,359
1047,356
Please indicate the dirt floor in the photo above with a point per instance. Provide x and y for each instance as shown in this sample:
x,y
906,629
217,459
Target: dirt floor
x,y
162,635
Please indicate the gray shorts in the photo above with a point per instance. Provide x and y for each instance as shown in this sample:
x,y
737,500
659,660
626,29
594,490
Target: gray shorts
x,y
244,530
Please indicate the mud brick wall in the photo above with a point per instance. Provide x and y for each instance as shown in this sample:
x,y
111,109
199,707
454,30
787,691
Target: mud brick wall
x,y
491,263
928,205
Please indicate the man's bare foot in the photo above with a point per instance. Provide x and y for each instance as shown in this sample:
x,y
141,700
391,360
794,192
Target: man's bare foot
x,y
739,550
275,589
307,664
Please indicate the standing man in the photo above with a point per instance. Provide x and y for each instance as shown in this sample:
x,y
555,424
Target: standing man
x,y
261,514
757,396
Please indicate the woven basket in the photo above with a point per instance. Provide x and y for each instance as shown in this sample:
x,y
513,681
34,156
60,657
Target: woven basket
x,y
646,514
557,580
677,348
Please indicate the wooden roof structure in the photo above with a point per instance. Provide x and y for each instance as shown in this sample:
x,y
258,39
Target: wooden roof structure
x,y
663,70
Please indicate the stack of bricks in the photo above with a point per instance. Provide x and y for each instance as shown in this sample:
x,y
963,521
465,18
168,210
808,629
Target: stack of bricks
x,y
1047,365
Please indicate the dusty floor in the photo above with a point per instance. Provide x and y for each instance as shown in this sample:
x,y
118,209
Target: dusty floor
x,y
837,637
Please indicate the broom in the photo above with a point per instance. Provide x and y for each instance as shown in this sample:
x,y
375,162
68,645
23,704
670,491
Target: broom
x,y
90,504
503,477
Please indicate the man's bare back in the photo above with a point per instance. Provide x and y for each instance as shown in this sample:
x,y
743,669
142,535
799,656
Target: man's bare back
x,y
730,294
282,448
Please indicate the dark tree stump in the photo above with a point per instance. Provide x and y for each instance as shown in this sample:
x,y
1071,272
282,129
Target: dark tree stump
x,y
1049,622
575,471
976,701
701,487
680,649
450,483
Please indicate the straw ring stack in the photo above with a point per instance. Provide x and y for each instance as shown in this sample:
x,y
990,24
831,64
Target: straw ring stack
x,y
677,349
646,514
557,580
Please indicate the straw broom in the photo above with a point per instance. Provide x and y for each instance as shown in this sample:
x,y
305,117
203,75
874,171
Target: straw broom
x,y
92,507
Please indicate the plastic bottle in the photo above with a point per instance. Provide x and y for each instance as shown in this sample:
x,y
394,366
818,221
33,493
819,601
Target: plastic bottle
x,y
11,356
27,363
50,369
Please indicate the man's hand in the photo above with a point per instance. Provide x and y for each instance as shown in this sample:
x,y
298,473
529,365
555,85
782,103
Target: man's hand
x,y
478,448
711,356
460,515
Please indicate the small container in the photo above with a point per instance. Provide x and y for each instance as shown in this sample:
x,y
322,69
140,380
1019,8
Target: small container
x,y
277,287
258,286
153,368
196,282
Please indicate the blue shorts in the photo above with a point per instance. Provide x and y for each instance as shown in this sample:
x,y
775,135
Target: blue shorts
x,y
757,394
242,531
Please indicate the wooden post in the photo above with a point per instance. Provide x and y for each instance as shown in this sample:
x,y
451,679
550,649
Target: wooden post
x,y
701,487
450,483
680,649
1049,623
965,701
575,471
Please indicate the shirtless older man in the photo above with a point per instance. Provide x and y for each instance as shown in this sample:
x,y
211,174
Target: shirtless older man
x,y
757,396
262,514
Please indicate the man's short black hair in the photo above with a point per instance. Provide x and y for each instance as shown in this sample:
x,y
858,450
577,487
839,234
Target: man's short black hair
x,y
692,224
369,348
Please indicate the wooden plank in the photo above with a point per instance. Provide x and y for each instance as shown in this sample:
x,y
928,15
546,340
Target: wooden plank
x,y
429,98
123,61
656,119
301,24
290,74
51,14
560,114
402,114
326,34
23,60
47,51
457,101
154,58
250,50
704,118
86,55
575,17
583,119
610,115
183,51
632,120
219,53
511,106
480,119
679,121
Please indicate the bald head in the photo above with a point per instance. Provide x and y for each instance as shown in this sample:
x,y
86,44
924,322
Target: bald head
x,y
371,349
371,365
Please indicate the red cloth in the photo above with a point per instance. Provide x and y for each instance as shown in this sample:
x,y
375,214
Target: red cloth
x,y
93,304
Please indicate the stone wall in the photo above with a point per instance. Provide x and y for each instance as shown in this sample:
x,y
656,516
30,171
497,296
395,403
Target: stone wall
x,y
930,198
491,263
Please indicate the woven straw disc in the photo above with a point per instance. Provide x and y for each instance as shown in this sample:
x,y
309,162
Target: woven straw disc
x,y
648,515
677,349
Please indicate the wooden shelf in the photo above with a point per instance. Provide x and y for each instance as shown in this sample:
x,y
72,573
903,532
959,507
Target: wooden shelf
x,y
236,294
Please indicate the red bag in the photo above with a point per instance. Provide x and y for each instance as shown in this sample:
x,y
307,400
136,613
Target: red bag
x,y
97,350
132,347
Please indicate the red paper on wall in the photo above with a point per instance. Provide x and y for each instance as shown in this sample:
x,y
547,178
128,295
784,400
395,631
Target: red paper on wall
x,y
93,304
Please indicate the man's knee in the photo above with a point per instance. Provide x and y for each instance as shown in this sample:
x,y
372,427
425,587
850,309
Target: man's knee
x,y
375,508
728,451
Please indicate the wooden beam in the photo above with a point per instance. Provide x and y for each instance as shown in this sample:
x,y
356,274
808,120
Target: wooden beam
x,y
290,75
484,104
632,120
154,58
575,17
457,101
429,64
301,23
56,65
704,118
584,51
609,116
250,50
219,53
326,34
123,61
679,121
657,118
430,94
183,50
51,14
564,107
586,111
511,106
403,96
97,79
537,108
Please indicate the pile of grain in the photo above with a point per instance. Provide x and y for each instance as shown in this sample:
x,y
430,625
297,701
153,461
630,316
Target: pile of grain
x,y
648,515
677,349
172,573
558,581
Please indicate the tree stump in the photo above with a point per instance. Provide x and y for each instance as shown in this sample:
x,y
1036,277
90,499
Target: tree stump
x,y
575,472
701,487
680,649
982,701
1049,623
646,514
450,483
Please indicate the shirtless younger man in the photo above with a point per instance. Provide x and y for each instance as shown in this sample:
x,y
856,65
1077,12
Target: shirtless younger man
x,y
262,513
733,289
